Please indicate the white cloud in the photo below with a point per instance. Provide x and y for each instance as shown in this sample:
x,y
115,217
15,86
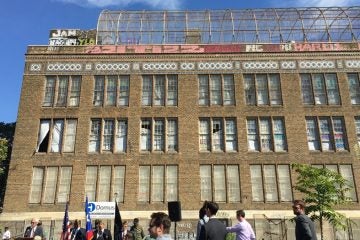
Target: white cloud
x,y
155,4
315,3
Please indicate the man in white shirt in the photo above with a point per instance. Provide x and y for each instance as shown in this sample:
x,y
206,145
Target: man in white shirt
x,y
6,234
242,229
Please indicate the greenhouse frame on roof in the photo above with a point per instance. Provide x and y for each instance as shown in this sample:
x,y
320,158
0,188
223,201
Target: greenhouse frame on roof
x,y
282,25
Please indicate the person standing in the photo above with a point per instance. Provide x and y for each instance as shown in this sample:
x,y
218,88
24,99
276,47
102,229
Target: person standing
x,y
34,230
159,227
202,220
6,235
243,228
101,233
77,232
137,230
213,229
304,227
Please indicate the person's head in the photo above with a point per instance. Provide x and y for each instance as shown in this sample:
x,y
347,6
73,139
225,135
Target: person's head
x,y
136,221
240,214
125,225
202,213
97,223
160,224
34,222
6,228
298,207
211,208
77,223
101,225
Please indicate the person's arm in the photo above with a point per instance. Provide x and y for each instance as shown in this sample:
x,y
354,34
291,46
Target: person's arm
x,y
234,228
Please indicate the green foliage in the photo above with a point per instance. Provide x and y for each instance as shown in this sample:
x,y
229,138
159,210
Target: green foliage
x,y
323,189
3,152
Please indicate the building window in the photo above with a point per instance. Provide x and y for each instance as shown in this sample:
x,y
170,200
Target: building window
x,y
262,89
215,137
50,185
354,88
158,183
326,134
357,128
57,135
271,183
320,89
159,135
266,134
106,133
216,89
102,182
159,90
220,183
62,91
111,90
346,171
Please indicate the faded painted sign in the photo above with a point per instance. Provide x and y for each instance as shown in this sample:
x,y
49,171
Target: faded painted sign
x,y
70,37
221,48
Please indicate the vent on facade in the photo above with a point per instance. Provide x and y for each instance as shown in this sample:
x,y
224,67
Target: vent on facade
x,y
193,36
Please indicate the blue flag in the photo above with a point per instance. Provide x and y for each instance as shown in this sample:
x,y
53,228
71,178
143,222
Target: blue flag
x,y
89,231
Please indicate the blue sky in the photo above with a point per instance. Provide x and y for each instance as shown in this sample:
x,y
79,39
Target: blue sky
x,y
26,22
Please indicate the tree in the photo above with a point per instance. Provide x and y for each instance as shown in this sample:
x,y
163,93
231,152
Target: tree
x,y
6,134
3,153
323,189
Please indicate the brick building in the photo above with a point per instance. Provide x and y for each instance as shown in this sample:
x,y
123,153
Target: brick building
x,y
187,106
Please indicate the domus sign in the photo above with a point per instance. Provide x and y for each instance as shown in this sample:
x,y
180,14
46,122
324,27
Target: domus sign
x,y
101,209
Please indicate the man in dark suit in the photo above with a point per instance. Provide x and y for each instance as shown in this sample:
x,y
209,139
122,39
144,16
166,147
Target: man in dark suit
x,y
304,227
101,233
213,229
34,230
77,232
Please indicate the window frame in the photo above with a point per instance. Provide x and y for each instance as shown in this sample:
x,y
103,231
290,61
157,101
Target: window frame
x,y
45,194
111,95
209,135
93,189
159,90
216,90
330,134
210,184
147,193
67,93
272,94
257,136
318,89
263,190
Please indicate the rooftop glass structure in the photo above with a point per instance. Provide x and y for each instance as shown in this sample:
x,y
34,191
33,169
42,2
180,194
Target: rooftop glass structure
x,y
281,25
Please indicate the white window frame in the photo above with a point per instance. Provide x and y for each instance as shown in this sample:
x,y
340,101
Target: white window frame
x,y
263,89
62,91
269,183
320,89
159,90
159,135
220,183
216,89
104,181
56,136
266,134
158,183
108,135
111,90
324,134
50,185
217,135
